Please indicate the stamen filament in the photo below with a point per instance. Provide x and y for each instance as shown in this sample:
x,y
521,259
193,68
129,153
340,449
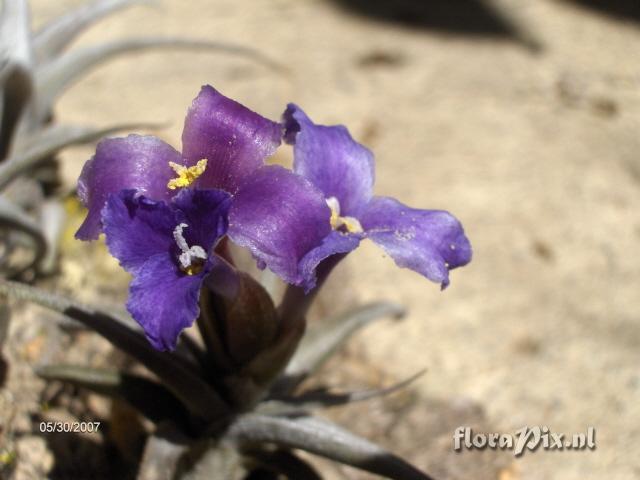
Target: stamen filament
x,y
351,224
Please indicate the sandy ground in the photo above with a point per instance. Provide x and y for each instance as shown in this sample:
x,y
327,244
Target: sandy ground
x,y
538,154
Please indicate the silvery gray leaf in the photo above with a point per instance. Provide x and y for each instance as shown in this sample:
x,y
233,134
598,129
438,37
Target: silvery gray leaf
x,y
15,220
51,141
54,77
175,372
148,397
15,32
283,462
162,451
216,461
5,314
25,192
15,68
52,218
322,398
317,347
56,35
322,438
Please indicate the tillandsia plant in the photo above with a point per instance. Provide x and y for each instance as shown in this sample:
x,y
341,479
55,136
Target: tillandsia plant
x,y
228,405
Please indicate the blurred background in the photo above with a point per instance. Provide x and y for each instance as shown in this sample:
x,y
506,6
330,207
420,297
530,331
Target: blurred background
x,y
521,118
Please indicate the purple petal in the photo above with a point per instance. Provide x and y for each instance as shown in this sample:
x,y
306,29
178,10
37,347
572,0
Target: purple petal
x,y
234,140
335,242
430,242
330,159
135,162
280,217
205,213
137,228
163,300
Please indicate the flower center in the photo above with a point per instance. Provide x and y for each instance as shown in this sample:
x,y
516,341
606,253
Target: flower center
x,y
192,259
342,224
186,175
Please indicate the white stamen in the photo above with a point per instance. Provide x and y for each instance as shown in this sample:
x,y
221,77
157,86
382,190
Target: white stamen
x,y
334,205
351,224
190,255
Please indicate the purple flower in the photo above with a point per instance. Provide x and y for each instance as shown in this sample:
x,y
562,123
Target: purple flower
x,y
168,249
163,211
149,200
430,242
279,217
223,143
224,146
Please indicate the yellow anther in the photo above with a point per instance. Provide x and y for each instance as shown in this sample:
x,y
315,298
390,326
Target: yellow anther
x,y
351,224
186,175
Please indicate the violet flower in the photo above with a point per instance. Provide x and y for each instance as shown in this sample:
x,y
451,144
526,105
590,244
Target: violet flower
x,y
169,250
430,242
223,143
141,180
155,205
